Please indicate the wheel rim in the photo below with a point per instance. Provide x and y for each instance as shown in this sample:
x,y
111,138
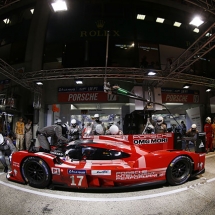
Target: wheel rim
x,y
180,170
35,172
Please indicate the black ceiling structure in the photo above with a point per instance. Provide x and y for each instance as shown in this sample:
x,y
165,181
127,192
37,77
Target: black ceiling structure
x,y
176,73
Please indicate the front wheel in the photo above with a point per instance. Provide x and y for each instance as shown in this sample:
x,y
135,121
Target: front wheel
x,y
179,170
36,172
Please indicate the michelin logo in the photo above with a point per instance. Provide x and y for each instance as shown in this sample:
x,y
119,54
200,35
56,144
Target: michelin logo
x,y
100,172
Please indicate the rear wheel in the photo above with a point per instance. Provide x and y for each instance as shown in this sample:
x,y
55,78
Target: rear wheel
x,y
36,172
179,170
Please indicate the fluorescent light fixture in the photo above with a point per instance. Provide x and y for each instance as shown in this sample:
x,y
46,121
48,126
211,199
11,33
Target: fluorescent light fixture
x,y
59,5
78,81
196,21
186,86
140,16
208,90
151,73
196,30
6,21
177,24
39,83
160,20
208,34
32,11
174,103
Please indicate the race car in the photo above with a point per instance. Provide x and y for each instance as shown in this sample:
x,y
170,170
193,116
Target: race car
x,y
114,161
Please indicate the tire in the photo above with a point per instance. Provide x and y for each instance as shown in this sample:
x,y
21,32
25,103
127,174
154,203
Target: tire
x,y
36,172
179,170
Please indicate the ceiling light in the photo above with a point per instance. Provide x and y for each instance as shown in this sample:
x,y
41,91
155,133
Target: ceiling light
x,y
78,81
151,73
160,20
59,5
174,103
32,11
186,86
177,24
39,83
208,90
208,35
140,16
196,21
6,21
196,30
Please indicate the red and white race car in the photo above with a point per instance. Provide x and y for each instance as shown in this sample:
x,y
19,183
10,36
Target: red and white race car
x,y
109,161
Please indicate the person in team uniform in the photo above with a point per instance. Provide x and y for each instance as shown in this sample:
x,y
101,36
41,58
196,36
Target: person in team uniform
x,y
209,135
98,127
74,131
160,127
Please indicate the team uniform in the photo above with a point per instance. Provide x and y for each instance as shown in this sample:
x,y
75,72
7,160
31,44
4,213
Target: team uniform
x,y
209,134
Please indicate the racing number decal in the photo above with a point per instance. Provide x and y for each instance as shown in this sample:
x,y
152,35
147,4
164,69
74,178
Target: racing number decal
x,y
78,180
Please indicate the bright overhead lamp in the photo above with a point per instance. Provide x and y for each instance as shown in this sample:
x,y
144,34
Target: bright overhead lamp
x,y
151,73
59,5
160,20
32,11
196,30
208,90
177,24
39,83
78,81
6,21
186,86
140,16
208,34
196,21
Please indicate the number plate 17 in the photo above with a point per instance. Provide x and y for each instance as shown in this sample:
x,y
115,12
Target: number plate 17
x,y
78,181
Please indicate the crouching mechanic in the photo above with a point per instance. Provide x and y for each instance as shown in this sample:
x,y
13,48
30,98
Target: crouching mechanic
x,y
50,131
7,148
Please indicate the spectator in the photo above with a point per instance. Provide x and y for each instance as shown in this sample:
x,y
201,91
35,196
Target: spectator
x,y
28,133
6,149
20,131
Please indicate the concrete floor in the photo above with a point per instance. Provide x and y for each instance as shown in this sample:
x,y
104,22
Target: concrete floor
x,y
193,198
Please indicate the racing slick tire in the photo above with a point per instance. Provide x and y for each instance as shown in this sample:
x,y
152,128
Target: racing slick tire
x,y
179,170
36,172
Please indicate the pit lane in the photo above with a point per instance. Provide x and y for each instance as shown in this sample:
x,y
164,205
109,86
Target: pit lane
x,y
194,197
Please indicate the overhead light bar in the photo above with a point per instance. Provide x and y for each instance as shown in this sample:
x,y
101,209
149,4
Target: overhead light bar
x,y
151,73
59,5
160,20
186,86
177,24
78,81
196,21
141,17
39,83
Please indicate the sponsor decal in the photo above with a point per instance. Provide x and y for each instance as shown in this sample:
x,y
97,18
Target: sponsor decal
x,y
150,141
100,172
74,171
15,172
137,175
16,164
152,136
201,145
55,171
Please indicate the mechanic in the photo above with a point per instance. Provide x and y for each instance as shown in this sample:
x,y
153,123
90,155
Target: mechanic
x,y
193,133
209,135
213,130
53,131
28,134
160,127
113,130
7,148
74,131
99,129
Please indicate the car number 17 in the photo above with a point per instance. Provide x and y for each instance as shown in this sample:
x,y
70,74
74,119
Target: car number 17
x,y
78,180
